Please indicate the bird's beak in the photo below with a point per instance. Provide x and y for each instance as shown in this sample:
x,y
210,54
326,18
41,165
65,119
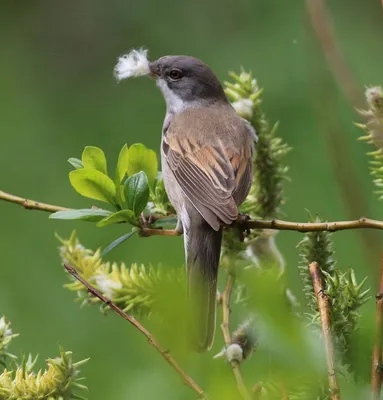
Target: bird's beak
x,y
154,70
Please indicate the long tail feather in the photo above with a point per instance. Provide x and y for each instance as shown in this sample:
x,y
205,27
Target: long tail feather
x,y
202,247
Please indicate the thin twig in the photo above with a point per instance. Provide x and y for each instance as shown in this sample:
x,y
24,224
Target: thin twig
x,y
30,204
275,224
145,232
225,328
377,370
152,341
324,311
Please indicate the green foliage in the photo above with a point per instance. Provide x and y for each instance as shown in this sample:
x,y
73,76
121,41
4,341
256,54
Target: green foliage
x,y
6,336
266,195
142,159
315,246
117,217
122,165
136,190
117,242
93,184
345,293
59,381
137,186
135,289
86,214
374,129
75,162
94,158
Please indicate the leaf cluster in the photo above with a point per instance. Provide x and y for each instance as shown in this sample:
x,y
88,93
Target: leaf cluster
x,y
374,134
59,381
134,289
137,186
346,294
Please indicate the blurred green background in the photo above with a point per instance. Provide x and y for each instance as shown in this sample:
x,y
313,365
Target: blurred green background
x,y
57,94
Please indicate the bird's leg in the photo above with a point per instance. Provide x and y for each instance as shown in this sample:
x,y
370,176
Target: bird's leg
x,y
243,227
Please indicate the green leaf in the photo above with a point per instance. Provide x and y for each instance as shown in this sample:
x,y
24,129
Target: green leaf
x,y
85,214
122,164
165,223
119,216
93,184
136,190
75,162
117,242
141,158
94,158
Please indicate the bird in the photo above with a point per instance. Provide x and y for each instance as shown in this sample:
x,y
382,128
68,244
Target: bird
x,y
206,155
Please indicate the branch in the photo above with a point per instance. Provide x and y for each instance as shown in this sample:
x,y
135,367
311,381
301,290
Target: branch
x,y
377,371
30,204
225,328
362,223
275,224
188,381
324,311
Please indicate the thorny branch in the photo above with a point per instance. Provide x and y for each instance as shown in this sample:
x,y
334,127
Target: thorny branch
x,y
377,370
152,341
225,328
275,224
324,311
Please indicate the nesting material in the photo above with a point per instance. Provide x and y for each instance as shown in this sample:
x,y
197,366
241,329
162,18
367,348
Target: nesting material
x,y
133,64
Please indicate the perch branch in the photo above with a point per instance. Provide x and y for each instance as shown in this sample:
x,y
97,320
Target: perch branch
x,y
324,311
30,204
362,223
225,328
275,224
377,371
152,341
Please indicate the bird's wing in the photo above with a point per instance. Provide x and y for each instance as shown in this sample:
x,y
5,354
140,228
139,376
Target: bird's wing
x,y
214,174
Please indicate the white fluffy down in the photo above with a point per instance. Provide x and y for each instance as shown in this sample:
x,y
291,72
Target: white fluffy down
x,y
234,352
134,64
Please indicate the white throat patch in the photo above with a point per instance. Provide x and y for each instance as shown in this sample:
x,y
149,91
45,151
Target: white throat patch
x,y
174,103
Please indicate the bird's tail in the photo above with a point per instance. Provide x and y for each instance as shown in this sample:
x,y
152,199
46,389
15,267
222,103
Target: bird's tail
x,y
203,248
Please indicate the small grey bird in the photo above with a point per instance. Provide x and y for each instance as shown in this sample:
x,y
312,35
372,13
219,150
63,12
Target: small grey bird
x,y
206,152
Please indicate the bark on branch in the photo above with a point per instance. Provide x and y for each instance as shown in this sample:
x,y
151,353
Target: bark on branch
x,y
324,311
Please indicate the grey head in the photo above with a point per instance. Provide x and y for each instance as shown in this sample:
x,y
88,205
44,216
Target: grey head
x,y
186,82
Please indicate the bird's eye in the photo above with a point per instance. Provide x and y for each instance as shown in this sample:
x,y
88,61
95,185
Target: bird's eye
x,y
175,74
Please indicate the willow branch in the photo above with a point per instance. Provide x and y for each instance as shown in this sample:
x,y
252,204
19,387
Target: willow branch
x,y
324,311
362,223
377,371
225,328
275,224
152,341
30,204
